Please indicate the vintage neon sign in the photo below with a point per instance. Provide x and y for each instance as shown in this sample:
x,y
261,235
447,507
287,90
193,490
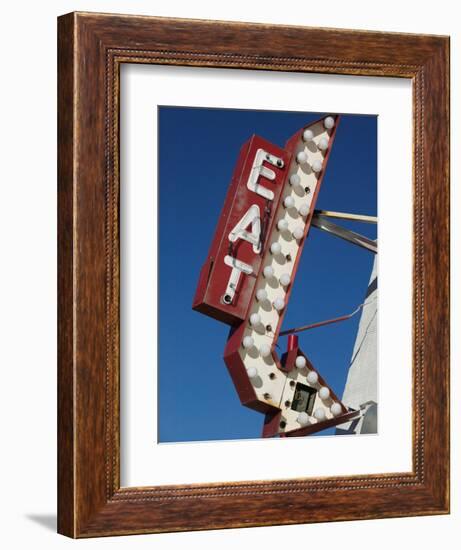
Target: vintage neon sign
x,y
247,279
228,276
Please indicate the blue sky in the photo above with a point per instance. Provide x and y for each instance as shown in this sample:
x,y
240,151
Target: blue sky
x,y
197,152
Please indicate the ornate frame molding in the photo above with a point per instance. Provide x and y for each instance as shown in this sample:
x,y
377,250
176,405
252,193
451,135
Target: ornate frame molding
x,y
91,49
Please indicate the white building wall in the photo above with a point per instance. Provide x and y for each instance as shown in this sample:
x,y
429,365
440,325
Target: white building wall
x,y
361,389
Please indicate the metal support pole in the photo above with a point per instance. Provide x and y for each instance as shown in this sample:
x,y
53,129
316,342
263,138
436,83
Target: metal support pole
x,y
346,234
346,216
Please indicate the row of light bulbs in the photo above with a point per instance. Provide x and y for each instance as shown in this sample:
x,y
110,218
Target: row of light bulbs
x,y
261,294
302,158
264,349
298,231
289,203
276,248
300,363
319,414
285,279
295,181
322,145
269,273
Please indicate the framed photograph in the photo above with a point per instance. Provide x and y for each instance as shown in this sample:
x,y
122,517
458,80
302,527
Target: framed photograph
x,y
253,259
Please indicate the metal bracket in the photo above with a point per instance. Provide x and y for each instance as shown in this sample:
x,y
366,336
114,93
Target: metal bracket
x,y
319,221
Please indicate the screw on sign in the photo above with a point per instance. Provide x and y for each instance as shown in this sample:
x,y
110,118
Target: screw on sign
x,y
251,266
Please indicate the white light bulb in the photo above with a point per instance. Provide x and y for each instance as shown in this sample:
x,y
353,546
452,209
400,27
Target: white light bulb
x,y
317,165
329,122
252,372
295,180
264,350
300,362
320,414
308,135
323,144
298,232
301,157
336,409
255,319
261,295
268,272
324,393
282,225
303,418
285,279
289,202
248,342
279,304
304,210
276,248
312,377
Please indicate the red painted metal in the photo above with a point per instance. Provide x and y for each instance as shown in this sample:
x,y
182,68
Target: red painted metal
x,y
271,424
292,342
331,422
289,357
288,360
215,273
239,375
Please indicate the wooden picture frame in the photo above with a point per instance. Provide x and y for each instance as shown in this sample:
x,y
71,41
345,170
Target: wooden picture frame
x,y
91,49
